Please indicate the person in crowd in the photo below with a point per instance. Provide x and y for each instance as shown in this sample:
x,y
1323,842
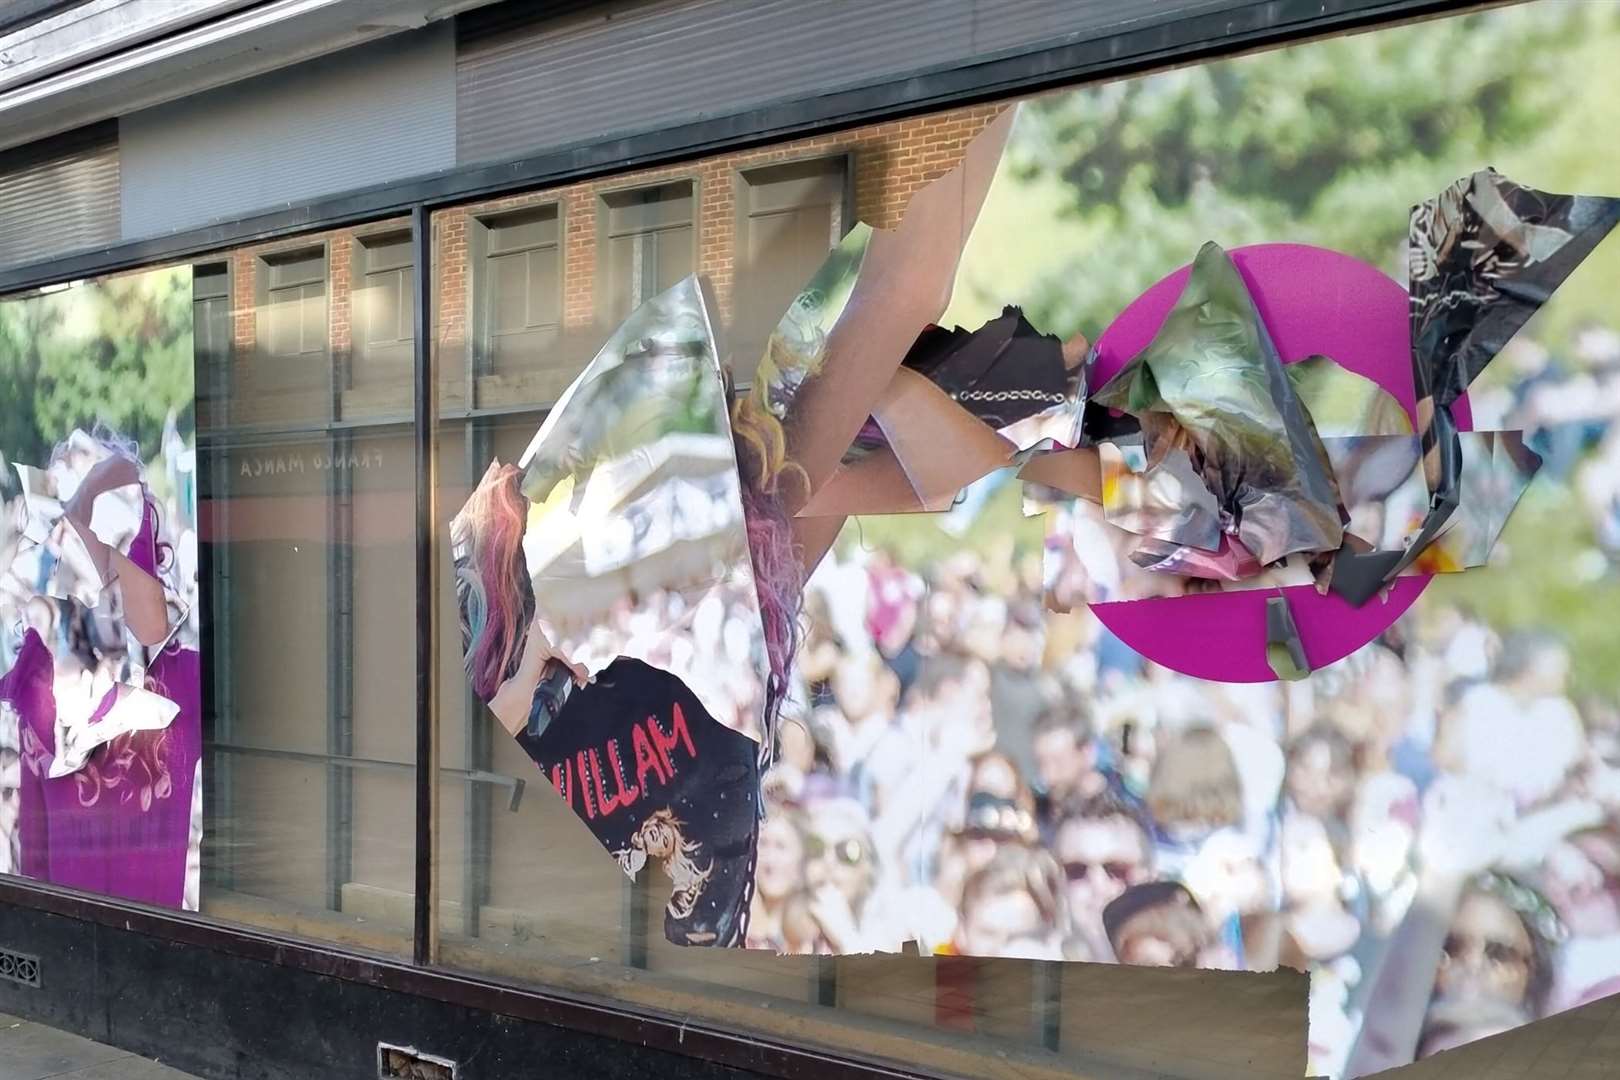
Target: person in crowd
x,y
1317,925
1019,692
1065,752
1523,744
894,596
866,694
1384,824
1193,791
1157,924
919,783
820,651
1321,775
1104,846
1450,1024
842,882
990,824
1235,883
1471,932
996,775
1581,879
778,879
1013,906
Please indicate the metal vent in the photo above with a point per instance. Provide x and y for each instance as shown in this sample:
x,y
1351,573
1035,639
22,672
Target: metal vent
x,y
409,1063
19,968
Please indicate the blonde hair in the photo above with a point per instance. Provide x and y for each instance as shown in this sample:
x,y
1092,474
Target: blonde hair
x,y
1195,781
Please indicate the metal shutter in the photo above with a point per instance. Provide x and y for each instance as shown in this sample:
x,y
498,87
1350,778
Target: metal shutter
x,y
59,196
527,85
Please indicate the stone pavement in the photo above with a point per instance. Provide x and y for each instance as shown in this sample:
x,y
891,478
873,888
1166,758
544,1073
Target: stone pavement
x,y
30,1051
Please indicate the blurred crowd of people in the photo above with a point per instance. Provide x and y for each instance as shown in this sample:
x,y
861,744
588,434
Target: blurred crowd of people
x,y
1428,826
51,588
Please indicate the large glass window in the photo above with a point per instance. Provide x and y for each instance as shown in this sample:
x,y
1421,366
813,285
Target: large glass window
x,y
1101,192
266,402
306,477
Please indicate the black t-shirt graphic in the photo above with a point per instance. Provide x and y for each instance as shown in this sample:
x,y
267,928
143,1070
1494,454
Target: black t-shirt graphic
x,y
658,780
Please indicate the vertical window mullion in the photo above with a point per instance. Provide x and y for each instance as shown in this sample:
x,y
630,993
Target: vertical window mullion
x,y
425,936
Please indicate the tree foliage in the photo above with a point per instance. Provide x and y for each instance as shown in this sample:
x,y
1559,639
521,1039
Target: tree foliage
x,y
116,351
1326,142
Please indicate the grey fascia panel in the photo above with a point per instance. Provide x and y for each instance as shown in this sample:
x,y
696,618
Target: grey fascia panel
x,y
364,116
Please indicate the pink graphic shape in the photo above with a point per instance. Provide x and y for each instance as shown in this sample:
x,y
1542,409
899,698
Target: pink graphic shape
x,y
1313,300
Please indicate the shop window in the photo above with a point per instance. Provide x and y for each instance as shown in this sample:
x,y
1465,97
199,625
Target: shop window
x,y
648,241
307,655
788,217
518,289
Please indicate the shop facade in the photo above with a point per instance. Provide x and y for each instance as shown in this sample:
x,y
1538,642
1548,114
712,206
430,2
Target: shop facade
x,y
397,255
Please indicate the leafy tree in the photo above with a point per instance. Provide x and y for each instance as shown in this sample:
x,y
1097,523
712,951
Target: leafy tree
x,y
117,351
1324,142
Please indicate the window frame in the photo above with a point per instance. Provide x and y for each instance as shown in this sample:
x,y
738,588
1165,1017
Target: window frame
x,y
606,300
743,215
360,253
481,227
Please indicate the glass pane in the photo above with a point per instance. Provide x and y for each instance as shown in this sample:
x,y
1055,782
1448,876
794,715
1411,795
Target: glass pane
x,y
544,287
101,727
284,322
522,229
234,700
385,301
312,694
312,323
405,326
781,248
1032,796
672,250
621,281
508,292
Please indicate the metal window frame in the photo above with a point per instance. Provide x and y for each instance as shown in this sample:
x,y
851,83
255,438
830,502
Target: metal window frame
x,y
1130,51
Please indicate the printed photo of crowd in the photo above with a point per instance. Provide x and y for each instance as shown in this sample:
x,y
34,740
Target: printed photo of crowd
x,y
1431,826
100,736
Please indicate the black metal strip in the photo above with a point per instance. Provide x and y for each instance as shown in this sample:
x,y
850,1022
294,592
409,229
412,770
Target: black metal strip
x,y
339,674
425,937
1198,37
636,1026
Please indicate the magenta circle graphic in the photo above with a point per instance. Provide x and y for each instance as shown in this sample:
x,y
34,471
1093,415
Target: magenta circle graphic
x,y
1312,300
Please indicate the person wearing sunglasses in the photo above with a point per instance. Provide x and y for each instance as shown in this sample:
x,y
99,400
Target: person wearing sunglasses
x,y
1103,847
854,908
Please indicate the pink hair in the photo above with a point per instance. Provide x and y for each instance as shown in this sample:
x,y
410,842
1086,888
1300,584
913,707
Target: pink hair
x,y
493,584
